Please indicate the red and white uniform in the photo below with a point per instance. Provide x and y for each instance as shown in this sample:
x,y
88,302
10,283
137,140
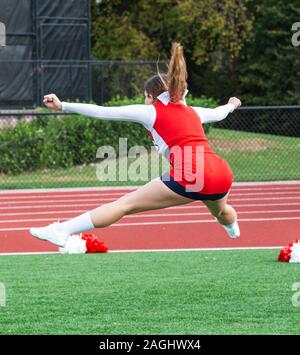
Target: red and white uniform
x,y
173,125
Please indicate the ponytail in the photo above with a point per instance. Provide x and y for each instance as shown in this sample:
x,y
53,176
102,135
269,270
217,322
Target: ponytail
x,y
174,81
177,73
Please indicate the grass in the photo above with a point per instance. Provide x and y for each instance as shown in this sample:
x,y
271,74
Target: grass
x,y
258,157
251,156
78,176
212,292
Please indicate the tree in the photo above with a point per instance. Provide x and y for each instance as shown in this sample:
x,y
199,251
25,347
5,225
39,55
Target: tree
x,y
213,34
114,36
269,69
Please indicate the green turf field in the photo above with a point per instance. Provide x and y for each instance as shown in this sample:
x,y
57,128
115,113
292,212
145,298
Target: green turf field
x,y
252,157
258,157
213,292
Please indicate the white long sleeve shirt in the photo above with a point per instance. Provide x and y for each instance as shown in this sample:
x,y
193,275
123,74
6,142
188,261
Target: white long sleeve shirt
x,y
144,114
147,116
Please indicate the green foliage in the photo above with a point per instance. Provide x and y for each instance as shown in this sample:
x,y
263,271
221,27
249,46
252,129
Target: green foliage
x,y
65,141
270,68
214,35
20,148
201,101
74,139
143,30
233,48
115,36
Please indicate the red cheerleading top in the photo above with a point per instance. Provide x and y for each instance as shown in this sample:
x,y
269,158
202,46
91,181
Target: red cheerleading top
x,y
177,125
176,130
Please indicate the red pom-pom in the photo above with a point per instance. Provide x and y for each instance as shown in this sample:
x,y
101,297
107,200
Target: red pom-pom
x,y
285,254
93,243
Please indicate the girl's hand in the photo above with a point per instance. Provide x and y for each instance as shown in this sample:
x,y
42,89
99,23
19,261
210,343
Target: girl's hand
x,y
52,102
235,101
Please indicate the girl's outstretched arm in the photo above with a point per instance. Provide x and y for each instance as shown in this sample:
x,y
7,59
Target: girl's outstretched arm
x,y
208,115
144,114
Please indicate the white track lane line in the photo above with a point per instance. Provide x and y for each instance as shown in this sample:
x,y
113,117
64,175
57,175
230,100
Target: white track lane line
x,y
100,194
263,183
122,188
150,250
182,207
191,205
154,215
63,196
231,198
176,222
71,189
99,197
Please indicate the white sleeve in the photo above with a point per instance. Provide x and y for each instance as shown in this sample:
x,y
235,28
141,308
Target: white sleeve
x,y
144,114
208,115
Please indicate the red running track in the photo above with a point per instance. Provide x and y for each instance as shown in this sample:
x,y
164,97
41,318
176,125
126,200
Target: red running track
x,y
269,216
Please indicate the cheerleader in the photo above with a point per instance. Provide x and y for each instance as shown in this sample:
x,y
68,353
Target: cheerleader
x,y
173,126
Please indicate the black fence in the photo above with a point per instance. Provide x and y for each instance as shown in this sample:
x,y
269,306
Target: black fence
x,y
42,149
42,38
84,80
48,49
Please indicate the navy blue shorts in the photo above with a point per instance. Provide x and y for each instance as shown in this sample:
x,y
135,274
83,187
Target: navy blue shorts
x,y
180,190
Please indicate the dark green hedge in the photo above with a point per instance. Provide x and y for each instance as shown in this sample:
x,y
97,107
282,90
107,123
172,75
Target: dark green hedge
x,y
64,141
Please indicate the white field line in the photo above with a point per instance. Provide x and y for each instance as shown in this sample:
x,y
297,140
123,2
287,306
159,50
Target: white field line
x,y
100,194
151,250
195,249
182,207
154,215
30,253
231,198
177,222
105,188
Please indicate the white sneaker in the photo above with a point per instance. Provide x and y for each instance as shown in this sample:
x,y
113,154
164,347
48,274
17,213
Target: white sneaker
x,y
233,230
52,233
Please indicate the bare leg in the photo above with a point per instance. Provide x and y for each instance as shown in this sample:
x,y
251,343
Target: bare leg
x,y
224,213
153,195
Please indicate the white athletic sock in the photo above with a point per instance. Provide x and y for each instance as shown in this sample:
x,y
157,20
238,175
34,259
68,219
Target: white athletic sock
x,y
232,229
78,224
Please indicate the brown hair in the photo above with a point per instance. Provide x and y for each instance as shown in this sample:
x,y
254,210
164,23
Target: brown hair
x,y
156,84
174,81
